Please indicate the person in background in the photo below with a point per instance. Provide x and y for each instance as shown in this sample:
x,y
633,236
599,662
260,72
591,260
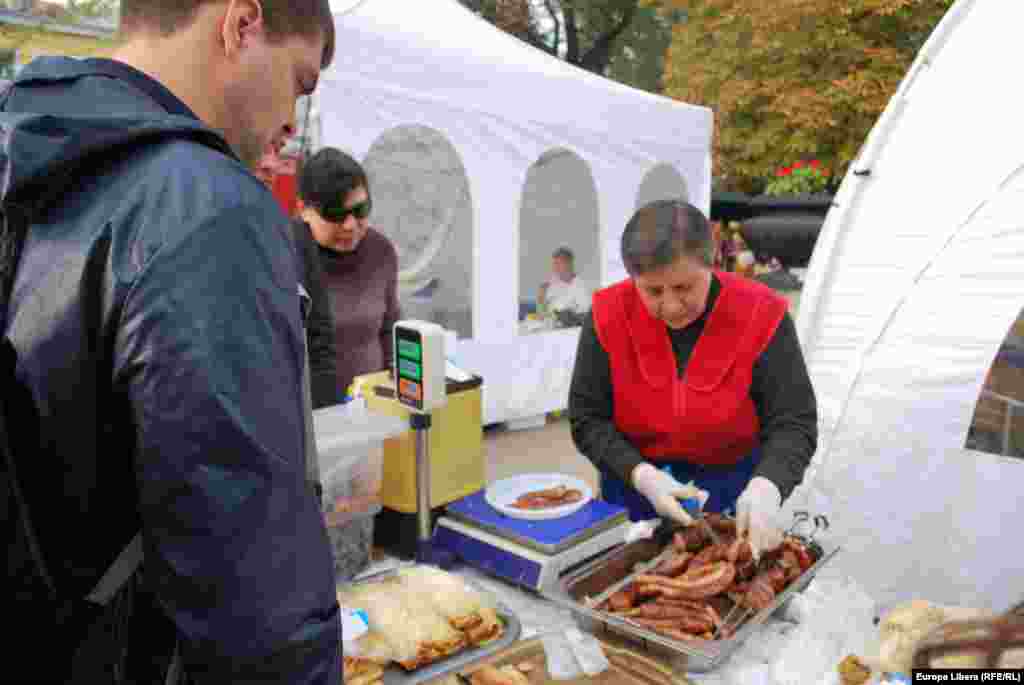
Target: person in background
x,y
266,168
320,328
564,291
156,376
360,264
685,374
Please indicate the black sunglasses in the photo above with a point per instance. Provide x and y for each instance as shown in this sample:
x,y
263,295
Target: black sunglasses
x,y
338,213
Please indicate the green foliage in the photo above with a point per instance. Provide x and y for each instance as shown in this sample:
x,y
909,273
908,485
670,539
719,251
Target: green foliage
x,y
800,178
626,40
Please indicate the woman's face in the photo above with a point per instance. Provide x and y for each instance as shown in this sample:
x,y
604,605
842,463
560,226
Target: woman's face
x,y
344,226
678,293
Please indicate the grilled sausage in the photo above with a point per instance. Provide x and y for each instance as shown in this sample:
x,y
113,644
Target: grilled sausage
x,y
673,566
721,524
710,555
696,583
690,623
689,539
648,590
623,599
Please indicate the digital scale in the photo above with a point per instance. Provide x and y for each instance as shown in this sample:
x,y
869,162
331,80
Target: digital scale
x,y
533,554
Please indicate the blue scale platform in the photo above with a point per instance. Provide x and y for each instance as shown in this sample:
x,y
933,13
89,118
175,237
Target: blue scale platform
x,y
547,537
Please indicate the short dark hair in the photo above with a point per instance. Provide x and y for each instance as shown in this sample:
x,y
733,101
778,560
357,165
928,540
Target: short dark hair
x,y
564,253
284,18
328,177
661,233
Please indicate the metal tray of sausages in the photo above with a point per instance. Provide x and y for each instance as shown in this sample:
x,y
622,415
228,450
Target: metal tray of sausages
x,y
601,573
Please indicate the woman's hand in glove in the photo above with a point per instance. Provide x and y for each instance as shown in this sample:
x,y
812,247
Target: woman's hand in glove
x,y
664,492
757,511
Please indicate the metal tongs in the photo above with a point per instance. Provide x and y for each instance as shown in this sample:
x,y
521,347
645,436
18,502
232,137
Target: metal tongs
x,y
693,508
738,613
638,570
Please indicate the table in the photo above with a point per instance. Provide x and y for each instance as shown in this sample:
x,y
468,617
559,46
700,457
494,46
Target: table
x,y
755,663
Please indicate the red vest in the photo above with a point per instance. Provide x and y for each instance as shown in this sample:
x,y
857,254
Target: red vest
x,y
708,416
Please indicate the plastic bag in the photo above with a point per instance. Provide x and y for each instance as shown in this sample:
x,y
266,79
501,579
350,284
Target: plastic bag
x,y
561,661
403,622
836,619
588,652
446,594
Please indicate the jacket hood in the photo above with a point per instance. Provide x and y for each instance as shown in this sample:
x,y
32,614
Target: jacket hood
x,y
42,153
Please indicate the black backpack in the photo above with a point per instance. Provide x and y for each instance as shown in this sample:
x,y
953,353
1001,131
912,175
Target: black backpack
x,y
86,638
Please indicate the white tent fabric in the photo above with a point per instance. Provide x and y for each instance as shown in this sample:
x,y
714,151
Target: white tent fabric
x,y
502,105
916,280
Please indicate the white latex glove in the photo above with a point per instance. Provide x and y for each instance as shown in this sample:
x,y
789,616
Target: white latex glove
x,y
757,511
664,492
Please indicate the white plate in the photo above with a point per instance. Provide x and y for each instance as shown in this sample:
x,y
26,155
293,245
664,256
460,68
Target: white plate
x,y
503,493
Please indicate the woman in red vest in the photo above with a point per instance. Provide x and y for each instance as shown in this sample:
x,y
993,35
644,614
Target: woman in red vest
x,y
685,374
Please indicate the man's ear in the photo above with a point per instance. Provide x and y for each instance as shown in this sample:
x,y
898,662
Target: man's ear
x,y
242,20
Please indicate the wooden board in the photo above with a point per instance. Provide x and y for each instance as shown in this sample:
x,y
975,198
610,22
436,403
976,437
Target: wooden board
x,y
627,668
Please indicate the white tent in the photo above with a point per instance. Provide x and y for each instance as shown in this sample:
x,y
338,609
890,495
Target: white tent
x,y
915,282
453,119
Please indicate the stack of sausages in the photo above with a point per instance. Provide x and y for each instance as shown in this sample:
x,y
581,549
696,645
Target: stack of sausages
x,y
684,596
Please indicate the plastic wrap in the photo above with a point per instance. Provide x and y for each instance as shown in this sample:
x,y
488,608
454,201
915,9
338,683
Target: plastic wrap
x,y
406,625
561,662
588,652
836,618
446,594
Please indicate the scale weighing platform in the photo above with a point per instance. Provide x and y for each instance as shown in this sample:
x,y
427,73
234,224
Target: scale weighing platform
x,y
533,554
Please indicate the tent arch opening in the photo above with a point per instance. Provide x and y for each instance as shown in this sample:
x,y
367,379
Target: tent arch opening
x,y
423,203
662,182
559,210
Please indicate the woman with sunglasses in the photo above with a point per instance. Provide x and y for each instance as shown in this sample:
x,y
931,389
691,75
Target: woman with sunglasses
x,y
359,272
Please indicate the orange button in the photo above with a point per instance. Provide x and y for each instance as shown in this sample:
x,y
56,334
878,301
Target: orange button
x,y
410,389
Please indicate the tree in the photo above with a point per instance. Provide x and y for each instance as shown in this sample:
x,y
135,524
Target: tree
x,y
793,79
107,10
592,34
639,59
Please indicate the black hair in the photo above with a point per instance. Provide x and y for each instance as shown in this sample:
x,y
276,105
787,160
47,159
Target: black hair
x,y
662,232
327,178
564,253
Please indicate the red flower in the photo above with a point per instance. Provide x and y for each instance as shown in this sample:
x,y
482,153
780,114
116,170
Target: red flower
x,y
787,172
815,164
798,165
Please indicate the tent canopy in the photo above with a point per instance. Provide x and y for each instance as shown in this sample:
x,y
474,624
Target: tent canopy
x,y
915,282
455,116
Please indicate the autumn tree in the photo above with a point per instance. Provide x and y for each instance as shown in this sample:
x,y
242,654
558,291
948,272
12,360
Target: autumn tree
x,y
792,80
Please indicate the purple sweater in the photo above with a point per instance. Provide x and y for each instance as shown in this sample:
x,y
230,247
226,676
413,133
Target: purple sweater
x,y
363,287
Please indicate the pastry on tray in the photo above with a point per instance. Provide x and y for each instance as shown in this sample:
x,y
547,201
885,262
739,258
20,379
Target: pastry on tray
x,y
422,615
358,671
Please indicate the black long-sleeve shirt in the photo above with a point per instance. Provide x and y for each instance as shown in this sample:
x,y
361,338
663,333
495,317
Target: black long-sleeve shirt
x,y
320,324
780,388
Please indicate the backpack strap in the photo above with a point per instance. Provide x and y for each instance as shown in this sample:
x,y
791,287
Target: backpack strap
x,y
119,573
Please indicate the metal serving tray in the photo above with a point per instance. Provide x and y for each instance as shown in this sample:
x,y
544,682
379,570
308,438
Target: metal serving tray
x,y
396,675
593,578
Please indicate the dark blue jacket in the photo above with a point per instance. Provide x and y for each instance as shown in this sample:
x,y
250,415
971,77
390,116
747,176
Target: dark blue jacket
x,y
157,324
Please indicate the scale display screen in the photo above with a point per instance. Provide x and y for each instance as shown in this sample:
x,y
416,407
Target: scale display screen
x,y
409,363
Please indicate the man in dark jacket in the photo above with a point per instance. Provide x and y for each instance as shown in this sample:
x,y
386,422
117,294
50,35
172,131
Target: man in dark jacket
x,y
156,320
